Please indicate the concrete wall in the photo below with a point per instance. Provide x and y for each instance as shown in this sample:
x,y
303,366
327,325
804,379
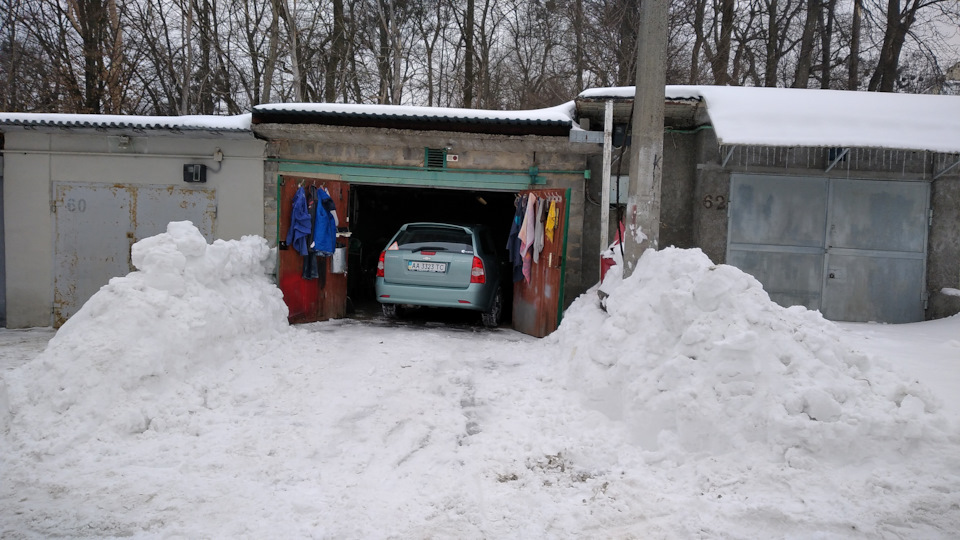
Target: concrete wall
x,y
677,200
710,195
943,263
34,160
383,147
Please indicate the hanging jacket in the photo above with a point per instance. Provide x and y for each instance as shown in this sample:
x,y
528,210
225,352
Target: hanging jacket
x,y
297,235
325,225
513,240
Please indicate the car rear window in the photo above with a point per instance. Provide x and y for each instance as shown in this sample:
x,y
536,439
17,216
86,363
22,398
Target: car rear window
x,y
437,238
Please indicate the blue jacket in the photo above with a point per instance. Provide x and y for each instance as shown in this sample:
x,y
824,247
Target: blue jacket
x,y
325,226
299,223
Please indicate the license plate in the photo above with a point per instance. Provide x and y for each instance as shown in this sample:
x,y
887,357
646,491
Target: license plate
x,y
423,266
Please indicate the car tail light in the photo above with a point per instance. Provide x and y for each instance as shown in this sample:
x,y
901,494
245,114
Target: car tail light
x,y
380,264
477,274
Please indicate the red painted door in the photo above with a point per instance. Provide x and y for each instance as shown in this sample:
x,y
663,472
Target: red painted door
x,y
538,302
316,299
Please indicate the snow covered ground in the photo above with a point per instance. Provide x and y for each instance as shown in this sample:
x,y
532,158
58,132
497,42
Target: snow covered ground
x,y
179,404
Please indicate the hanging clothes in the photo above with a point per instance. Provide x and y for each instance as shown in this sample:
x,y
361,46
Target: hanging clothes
x,y
527,235
311,267
551,220
299,232
325,225
513,239
538,232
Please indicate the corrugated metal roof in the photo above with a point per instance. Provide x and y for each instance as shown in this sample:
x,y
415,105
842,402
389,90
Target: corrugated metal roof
x,y
548,122
239,124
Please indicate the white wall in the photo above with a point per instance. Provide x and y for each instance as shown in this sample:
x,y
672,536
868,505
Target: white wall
x,y
34,160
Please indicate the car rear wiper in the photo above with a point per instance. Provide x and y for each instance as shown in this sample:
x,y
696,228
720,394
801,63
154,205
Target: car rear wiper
x,y
429,248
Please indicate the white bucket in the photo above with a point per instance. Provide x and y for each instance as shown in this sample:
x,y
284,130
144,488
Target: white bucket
x,y
339,263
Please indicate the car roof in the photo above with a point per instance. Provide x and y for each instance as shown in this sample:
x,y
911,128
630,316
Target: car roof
x,y
438,224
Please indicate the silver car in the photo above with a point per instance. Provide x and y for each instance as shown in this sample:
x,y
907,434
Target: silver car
x,y
441,265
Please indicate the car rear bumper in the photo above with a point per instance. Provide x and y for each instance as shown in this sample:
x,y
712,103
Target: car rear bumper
x,y
476,296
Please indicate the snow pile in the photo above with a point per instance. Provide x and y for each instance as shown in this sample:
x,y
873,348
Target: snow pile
x,y
120,362
696,359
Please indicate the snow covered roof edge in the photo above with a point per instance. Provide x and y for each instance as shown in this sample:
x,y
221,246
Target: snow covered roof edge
x,y
820,118
237,123
552,121
559,113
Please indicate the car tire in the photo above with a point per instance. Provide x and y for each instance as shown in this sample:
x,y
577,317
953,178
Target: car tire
x,y
491,318
390,311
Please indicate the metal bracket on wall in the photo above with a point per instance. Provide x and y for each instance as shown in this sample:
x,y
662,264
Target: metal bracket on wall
x,y
842,154
728,156
946,169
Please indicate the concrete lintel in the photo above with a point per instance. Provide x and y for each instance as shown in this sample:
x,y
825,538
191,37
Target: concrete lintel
x,y
365,136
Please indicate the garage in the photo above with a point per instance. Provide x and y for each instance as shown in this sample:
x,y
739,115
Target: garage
x,y
80,190
384,166
344,286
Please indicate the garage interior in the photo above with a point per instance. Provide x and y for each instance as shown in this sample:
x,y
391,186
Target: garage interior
x,y
378,211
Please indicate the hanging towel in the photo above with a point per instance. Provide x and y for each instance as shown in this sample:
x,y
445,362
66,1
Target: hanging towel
x,y
299,223
538,232
551,220
527,231
527,234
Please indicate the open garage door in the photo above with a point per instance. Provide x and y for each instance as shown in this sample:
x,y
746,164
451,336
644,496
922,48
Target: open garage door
x,y
378,211
310,297
374,212
538,301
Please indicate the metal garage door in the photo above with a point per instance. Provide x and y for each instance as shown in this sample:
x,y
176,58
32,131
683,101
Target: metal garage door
x,y
854,249
96,224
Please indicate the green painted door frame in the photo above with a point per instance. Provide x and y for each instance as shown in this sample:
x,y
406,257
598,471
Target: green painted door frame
x,y
484,179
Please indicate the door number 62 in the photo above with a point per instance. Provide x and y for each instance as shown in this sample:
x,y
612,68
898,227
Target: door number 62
x,y
715,201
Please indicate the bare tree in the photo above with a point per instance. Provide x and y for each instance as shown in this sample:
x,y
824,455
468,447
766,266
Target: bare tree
x,y
853,59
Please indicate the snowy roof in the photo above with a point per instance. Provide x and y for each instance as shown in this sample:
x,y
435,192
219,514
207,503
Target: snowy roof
x,y
820,118
550,121
214,124
739,116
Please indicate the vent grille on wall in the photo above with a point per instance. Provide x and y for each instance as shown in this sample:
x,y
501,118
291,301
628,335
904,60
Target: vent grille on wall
x,y
435,158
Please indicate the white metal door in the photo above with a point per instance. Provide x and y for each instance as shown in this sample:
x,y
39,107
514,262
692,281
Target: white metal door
x,y
96,225
854,249
875,266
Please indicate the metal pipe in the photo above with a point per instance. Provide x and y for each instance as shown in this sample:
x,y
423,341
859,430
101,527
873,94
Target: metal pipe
x,y
605,184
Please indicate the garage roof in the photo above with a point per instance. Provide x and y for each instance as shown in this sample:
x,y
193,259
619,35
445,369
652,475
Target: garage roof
x,y
552,121
124,124
820,118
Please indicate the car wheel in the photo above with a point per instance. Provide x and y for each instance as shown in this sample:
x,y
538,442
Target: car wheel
x,y
390,311
491,318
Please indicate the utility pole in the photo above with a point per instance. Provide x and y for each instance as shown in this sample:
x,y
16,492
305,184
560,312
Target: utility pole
x,y
646,154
